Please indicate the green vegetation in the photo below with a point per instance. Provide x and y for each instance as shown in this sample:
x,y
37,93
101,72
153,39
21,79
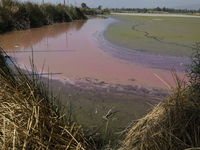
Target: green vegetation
x,y
18,16
165,35
193,70
94,11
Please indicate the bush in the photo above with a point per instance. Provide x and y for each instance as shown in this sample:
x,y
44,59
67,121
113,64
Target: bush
x,y
193,70
6,18
63,15
35,15
79,13
18,16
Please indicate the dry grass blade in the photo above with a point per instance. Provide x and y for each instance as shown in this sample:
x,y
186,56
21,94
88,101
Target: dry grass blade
x,y
172,124
28,117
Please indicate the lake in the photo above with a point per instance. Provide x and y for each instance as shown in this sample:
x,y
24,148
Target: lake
x,y
95,74
78,52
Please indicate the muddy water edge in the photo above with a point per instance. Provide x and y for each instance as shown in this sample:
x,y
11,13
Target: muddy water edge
x,y
89,79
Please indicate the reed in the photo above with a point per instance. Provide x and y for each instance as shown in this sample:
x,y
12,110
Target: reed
x,y
172,124
19,16
30,116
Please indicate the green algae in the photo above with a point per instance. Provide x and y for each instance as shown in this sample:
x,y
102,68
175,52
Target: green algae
x,y
165,35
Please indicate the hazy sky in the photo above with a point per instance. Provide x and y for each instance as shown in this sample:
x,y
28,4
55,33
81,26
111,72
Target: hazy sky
x,y
125,3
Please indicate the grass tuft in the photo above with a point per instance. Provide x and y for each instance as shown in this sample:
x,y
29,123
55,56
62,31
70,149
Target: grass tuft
x,y
172,124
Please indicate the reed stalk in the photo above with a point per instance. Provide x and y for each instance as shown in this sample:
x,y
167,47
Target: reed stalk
x,y
32,118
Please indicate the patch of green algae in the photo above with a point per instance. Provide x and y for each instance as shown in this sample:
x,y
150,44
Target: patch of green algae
x,y
165,35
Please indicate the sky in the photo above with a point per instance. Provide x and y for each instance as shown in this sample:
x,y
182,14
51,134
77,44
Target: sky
x,y
124,3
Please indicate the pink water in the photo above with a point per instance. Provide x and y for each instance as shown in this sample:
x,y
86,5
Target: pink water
x,y
71,55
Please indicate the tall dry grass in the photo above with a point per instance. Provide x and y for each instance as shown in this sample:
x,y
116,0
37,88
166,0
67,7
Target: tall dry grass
x,y
173,124
30,116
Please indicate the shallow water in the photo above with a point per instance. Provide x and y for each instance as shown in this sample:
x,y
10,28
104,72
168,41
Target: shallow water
x,y
77,51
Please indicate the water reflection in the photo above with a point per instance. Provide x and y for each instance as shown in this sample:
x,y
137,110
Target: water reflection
x,y
41,51
70,52
100,17
22,40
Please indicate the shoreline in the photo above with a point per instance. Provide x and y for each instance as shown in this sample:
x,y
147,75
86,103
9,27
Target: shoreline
x,y
93,98
137,77
139,57
147,33
90,83
90,101
133,80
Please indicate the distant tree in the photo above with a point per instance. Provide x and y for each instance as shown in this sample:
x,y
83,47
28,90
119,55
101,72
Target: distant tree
x,y
158,9
144,10
191,11
83,5
99,7
164,9
106,11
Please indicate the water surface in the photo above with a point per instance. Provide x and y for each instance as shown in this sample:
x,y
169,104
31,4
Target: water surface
x,y
72,52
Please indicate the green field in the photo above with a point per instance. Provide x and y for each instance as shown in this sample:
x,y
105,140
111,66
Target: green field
x,y
165,35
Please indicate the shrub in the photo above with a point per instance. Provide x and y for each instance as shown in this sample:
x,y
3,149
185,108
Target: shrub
x,y
193,69
18,16
35,15
79,14
6,18
63,15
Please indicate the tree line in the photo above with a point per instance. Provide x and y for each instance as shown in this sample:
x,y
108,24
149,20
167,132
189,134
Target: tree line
x,y
158,9
93,11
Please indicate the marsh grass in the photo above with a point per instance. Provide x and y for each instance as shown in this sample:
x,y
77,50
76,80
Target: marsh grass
x,y
172,124
30,116
18,16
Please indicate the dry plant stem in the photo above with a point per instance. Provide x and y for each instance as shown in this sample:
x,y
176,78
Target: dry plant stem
x,y
109,112
28,120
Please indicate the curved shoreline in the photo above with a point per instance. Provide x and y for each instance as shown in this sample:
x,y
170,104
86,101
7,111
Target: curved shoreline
x,y
78,66
148,59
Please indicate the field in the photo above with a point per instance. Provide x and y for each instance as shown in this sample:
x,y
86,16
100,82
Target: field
x,y
158,34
